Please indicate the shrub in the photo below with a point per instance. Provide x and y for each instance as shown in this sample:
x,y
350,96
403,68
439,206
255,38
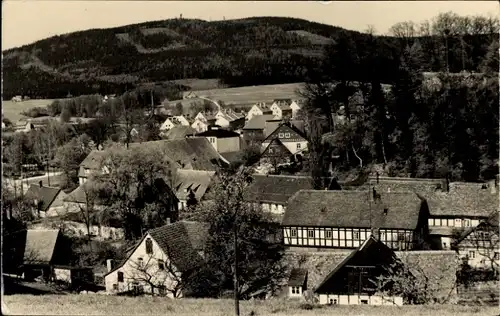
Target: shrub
x,y
36,112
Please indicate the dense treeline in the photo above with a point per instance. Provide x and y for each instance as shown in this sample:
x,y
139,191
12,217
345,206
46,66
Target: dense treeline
x,y
444,125
249,51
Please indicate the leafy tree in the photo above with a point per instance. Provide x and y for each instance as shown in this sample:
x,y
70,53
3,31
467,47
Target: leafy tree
x,y
71,155
191,199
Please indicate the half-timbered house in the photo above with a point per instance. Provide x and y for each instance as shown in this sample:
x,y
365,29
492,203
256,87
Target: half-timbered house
x,y
290,136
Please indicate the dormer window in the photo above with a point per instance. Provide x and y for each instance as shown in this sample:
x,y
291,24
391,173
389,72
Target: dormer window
x,y
280,135
287,135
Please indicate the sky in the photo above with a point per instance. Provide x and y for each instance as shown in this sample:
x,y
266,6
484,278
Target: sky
x,y
24,22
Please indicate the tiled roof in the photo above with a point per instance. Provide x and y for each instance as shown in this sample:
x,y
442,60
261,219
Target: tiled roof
x,y
258,121
45,195
232,116
40,245
179,132
297,277
79,195
231,156
276,188
195,180
182,241
93,159
219,133
400,184
453,203
272,126
315,208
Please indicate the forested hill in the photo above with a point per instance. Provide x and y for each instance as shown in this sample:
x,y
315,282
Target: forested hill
x,y
252,51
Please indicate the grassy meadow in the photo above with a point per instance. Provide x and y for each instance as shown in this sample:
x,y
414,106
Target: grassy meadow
x,y
12,110
116,305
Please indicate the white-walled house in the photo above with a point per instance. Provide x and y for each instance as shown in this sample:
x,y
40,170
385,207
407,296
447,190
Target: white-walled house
x,y
229,119
289,136
223,140
161,262
202,121
173,121
258,109
281,108
297,283
296,105
196,181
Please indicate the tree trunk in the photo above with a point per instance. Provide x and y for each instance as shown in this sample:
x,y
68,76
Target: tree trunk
x,y
236,286
383,150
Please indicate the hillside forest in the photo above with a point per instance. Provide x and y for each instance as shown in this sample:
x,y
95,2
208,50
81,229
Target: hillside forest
x,y
251,51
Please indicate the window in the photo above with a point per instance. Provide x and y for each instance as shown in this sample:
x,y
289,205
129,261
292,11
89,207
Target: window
x,y
466,223
364,301
161,265
287,135
115,287
293,232
472,254
496,256
149,246
310,233
382,236
120,276
328,234
140,262
355,235
280,135
298,145
401,236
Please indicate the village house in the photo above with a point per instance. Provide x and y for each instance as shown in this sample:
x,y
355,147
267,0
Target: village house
x,y
322,220
173,121
195,182
479,246
229,119
223,140
290,137
161,262
91,164
297,283
23,126
47,201
202,121
283,108
258,109
253,131
350,281
272,192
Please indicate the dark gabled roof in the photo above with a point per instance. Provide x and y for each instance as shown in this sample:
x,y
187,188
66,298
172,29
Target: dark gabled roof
x,y
276,143
45,195
401,184
480,204
273,127
219,133
93,159
196,180
384,255
297,277
179,132
40,245
181,242
315,208
258,122
276,188
232,156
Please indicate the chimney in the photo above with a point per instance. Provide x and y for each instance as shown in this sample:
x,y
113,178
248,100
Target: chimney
x,y
40,184
109,264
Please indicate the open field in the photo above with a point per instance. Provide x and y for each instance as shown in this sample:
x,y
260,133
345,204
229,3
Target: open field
x,y
199,84
116,305
252,94
12,110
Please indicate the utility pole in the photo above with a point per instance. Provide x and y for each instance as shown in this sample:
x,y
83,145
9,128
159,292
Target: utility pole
x,y
236,285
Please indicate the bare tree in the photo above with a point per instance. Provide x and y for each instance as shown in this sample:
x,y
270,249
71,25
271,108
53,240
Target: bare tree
x,y
161,276
483,240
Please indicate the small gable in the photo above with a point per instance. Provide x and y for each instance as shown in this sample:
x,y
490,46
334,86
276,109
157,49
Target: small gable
x,y
286,133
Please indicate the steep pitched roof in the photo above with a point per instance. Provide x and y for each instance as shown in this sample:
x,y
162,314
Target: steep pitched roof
x,y
196,180
276,144
181,241
93,159
297,277
276,188
40,245
179,132
454,203
45,195
400,184
219,133
491,222
258,122
272,127
317,208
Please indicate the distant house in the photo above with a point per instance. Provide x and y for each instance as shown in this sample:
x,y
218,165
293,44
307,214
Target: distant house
x,y
271,192
253,131
17,98
195,181
223,140
289,136
319,219
173,121
91,163
229,119
480,246
23,126
282,108
178,132
258,109
296,106
202,121
73,275
297,283
32,253
350,282
47,201
161,261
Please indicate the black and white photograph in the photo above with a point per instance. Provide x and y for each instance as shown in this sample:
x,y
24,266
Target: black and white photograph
x,y
250,158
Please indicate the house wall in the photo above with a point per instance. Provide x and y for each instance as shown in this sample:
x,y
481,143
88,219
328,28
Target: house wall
x,y
297,293
131,275
360,300
295,108
254,111
221,121
459,222
63,275
227,144
273,208
200,126
167,125
341,237
480,248
293,147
